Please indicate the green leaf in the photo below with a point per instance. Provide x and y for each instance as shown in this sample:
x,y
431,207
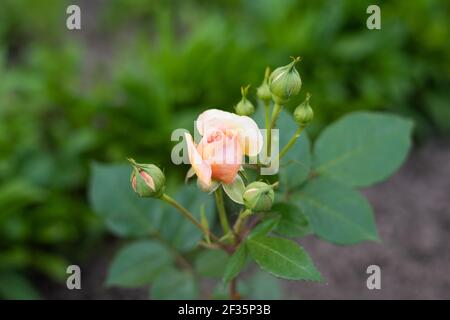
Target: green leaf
x,y
222,292
282,258
263,228
176,229
363,148
292,221
127,214
235,190
259,286
296,164
173,284
235,263
138,264
263,286
111,196
337,213
211,263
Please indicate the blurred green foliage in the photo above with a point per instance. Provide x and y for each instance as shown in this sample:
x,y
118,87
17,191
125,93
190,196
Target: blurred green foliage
x,y
138,69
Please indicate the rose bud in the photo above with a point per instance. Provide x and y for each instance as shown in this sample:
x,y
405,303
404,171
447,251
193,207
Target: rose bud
x,y
244,107
147,180
304,114
285,82
263,91
258,196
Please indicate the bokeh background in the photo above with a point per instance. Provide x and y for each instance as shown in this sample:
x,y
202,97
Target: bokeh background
x,y
140,68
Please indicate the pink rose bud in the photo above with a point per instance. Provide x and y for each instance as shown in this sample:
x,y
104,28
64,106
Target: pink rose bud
x,y
147,180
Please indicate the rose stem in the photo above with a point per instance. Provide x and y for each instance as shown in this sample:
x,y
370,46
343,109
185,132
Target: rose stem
x,y
291,142
221,209
275,112
188,215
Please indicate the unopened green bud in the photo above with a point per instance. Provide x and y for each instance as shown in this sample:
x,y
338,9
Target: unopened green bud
x,y
263,91
304,114
244,107
258,196
147,180
285,82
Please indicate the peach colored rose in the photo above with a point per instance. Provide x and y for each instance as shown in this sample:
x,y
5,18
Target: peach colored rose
x,y
225,139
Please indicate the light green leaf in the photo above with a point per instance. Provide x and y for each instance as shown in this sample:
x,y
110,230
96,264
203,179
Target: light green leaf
x,y
235,263
211,263
292,221
173,284
337,213
363,148
282,258
138,264
235,190
111,197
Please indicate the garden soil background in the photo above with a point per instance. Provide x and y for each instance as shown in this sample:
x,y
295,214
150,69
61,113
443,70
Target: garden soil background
x,y
413,218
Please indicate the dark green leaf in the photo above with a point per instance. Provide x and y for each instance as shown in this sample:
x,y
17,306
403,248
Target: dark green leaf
x,y
263,228
235,263
336,212
282,258
112,198
175,228
263,286
292,222
363,148
295,165
211,263
173,284
138,264
127,214
222,292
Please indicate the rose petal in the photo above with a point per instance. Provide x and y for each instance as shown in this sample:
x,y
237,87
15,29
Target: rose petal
x,y
227,158
250,136
214,119
202,168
